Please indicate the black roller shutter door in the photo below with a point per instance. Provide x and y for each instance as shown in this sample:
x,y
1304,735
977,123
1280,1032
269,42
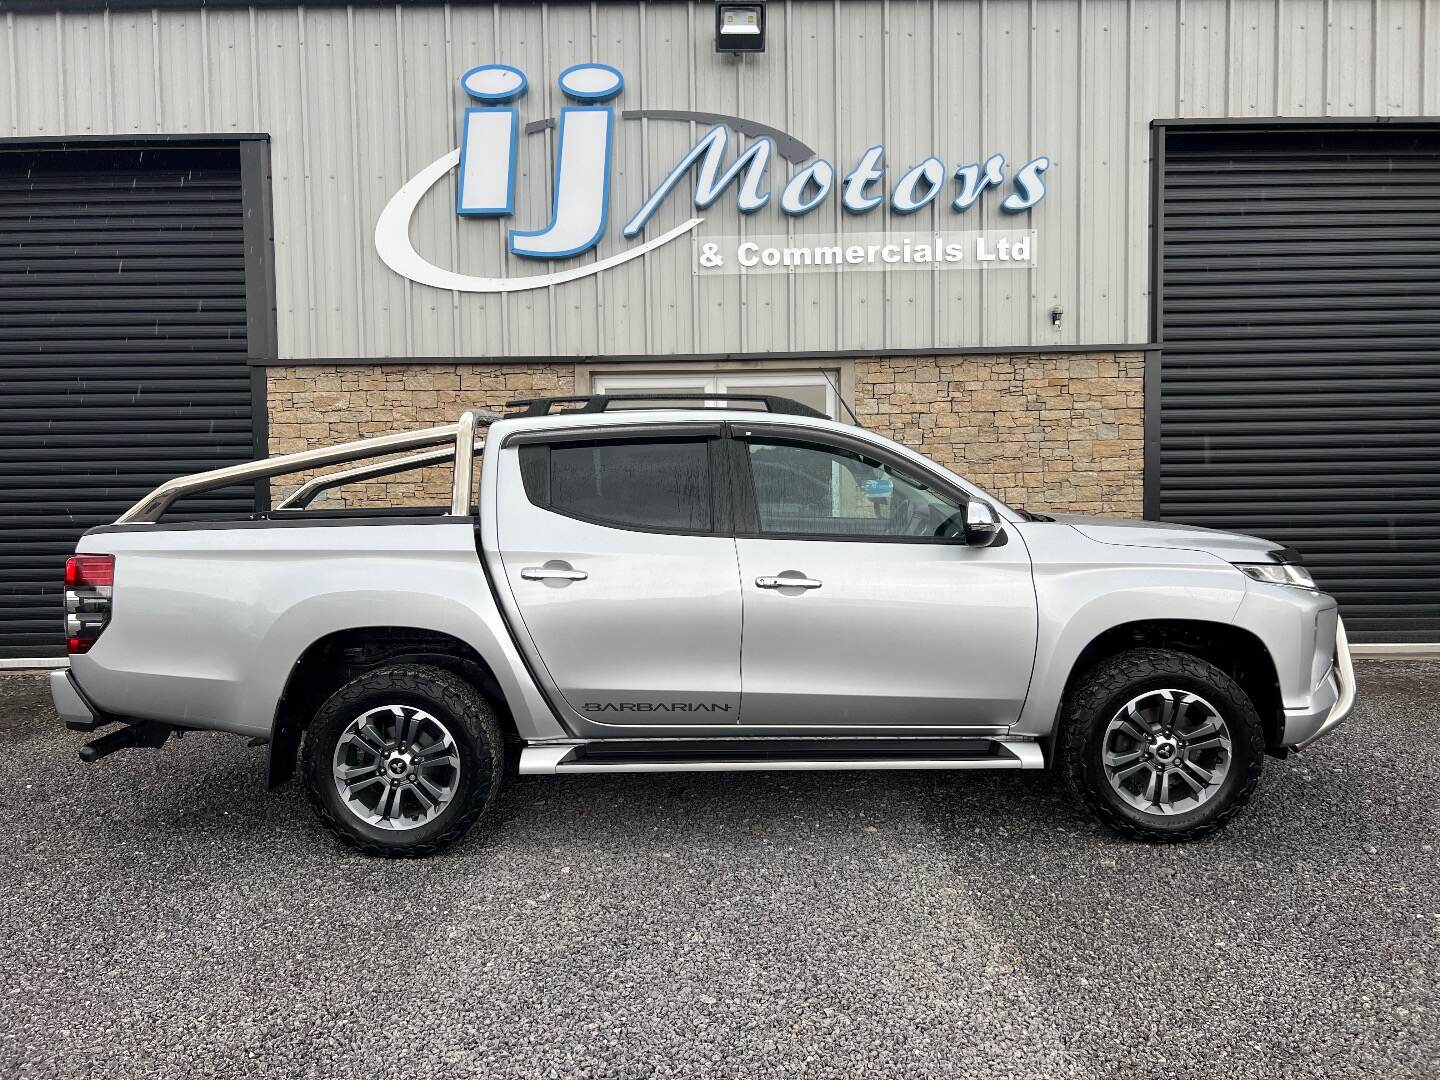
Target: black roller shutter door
x,y
122,351
1299,318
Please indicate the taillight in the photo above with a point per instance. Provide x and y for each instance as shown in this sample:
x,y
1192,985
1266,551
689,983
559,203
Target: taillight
x,y
89,581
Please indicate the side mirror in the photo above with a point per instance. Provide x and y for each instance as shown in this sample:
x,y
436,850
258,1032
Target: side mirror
x,y
982,524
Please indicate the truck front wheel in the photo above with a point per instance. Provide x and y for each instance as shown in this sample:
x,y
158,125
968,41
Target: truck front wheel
x,y
402,760
1161,745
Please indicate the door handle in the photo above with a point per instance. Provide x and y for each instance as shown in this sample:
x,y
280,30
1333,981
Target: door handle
x,y
552,573
787,583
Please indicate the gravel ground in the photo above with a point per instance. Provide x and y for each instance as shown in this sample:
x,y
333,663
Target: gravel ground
x,y
162,916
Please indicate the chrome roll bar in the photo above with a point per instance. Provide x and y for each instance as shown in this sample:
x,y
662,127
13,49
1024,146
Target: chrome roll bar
x,y
305,494
461,436
464,478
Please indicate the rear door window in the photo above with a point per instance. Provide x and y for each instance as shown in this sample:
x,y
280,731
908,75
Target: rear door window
x,y
656,485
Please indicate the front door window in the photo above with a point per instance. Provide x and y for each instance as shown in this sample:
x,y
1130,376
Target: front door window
x,y
804,489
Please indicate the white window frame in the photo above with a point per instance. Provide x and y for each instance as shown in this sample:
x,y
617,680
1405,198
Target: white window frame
x,y
720,381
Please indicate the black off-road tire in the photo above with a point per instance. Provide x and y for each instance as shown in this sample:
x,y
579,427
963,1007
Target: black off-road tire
x,y
1105,689
471,723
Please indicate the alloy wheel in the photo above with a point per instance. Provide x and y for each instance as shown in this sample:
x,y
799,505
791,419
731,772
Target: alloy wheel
x,y
1166,752
396,767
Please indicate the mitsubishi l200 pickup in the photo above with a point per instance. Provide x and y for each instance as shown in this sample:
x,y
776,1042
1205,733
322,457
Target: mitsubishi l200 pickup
x,y
718,584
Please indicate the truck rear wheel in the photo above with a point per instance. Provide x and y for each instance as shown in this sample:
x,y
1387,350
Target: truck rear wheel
x,y
1161,745
402,760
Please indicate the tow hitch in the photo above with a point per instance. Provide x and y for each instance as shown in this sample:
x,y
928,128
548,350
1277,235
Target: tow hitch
x,y
148,734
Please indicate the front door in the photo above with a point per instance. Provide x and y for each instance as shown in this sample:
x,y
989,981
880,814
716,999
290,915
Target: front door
x,y
622,576
862,607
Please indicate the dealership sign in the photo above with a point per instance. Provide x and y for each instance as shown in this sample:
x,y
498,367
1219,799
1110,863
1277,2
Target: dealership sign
x,y
990,249
486,166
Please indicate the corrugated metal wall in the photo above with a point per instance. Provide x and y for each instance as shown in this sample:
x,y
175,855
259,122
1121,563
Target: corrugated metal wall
x,y
1299,391
359,99
123,341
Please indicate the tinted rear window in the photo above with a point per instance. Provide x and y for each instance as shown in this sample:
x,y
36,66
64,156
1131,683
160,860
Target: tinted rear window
x,y
661,484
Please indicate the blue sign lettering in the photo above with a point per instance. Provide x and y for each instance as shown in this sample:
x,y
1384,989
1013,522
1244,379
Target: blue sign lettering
x,y
485,162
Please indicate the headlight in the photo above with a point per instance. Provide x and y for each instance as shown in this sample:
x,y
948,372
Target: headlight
x,y
1279,574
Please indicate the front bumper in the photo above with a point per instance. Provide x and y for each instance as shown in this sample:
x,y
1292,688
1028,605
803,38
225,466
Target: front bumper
x,y
1330,704
71,704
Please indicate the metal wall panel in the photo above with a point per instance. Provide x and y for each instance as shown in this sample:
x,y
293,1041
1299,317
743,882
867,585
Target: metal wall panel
x,y
358,99
123,341
1299,391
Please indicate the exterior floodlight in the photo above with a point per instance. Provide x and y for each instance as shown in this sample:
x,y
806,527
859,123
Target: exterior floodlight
x,y
740,28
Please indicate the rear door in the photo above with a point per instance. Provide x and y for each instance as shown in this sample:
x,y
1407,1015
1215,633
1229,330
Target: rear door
x,y
863,608
621,574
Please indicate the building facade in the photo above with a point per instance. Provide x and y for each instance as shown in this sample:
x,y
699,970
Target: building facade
x,y
1178,258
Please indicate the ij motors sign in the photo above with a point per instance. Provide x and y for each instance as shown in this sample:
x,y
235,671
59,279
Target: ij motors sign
x,y
487,167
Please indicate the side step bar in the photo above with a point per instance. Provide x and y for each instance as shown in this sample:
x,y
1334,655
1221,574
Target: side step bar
x,y
777,755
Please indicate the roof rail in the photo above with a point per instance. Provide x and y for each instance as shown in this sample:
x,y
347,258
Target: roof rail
x,y
598,403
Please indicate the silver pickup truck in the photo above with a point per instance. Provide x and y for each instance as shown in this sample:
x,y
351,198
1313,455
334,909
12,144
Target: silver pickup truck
x,y
712,585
